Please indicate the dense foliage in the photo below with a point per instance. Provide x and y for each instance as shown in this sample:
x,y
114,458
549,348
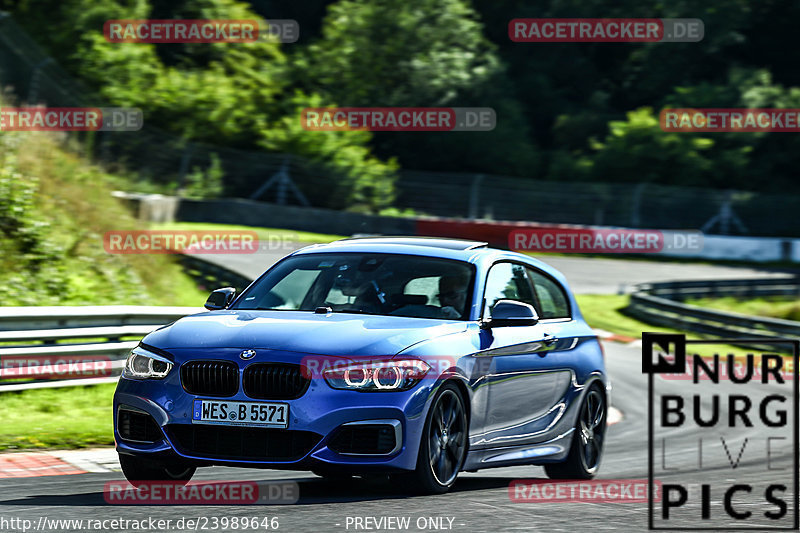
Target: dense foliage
x,y
54,209
584,111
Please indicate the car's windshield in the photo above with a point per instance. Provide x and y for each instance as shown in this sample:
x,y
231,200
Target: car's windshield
x,y
375,284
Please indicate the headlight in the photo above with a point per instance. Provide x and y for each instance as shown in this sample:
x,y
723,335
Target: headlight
x,y
142,364
377,375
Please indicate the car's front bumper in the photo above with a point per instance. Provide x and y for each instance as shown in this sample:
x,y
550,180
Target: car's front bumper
x,y
320,411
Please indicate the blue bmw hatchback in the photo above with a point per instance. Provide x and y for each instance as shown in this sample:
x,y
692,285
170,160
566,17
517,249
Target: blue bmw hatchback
x,y
413,357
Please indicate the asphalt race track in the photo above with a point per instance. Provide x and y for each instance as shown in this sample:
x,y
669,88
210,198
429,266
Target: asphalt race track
x,y
479,502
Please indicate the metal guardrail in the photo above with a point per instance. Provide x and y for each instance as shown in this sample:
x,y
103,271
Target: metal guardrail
x,y
33,353
745,288
32,356
661,304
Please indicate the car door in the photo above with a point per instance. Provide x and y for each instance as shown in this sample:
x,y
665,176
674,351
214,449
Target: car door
x,y
528,366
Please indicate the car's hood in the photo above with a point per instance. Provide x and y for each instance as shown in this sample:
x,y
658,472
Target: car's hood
x,y
301,331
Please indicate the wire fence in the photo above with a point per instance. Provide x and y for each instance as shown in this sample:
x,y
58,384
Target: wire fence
x,y
641,205
151,155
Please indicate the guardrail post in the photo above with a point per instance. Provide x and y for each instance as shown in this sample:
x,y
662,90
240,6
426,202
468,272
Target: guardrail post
x,y
786,250
474,196
636,209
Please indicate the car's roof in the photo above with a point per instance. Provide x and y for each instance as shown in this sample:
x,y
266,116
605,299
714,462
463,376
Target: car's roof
x,y
463,250
433,242
458,249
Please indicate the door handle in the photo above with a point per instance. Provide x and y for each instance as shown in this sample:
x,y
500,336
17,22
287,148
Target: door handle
x,y
549,340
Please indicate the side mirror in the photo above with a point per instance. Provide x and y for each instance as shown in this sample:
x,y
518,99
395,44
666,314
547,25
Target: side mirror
x,y
512,313
220,298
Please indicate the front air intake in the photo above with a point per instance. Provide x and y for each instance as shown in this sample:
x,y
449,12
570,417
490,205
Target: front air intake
x,y
275,381
210,378
137,426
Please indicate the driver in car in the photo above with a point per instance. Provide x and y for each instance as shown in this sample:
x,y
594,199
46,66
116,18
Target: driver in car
x,y
452,296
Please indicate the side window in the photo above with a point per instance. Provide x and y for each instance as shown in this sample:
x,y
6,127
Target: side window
x,y
553,301
506,281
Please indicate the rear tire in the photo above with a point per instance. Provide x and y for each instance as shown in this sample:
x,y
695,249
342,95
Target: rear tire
x,y
138,470
586,450
444,444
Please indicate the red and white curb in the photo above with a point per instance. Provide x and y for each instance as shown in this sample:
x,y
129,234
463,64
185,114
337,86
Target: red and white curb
x,y
58,463
92,460
608,336
614,416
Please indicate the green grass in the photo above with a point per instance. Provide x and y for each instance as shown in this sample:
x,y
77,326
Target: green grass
x,y
70,417
185,292
607,312
263,233
774,307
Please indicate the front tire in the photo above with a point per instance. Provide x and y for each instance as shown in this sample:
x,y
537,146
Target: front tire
x,y
138,471
444,443
586,451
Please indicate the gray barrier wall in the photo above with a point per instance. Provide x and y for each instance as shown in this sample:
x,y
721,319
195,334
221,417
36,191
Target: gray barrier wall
x,y
317,220
252,213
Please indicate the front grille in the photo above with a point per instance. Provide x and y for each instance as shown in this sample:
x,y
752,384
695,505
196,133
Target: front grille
x,y
364,439
241,443
136,426
274,381
210,378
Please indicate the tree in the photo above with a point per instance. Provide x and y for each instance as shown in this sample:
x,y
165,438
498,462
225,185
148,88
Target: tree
x,y
224,94
637,150
419,53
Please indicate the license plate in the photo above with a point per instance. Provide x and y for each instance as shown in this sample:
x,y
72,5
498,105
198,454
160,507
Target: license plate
x,y
260,414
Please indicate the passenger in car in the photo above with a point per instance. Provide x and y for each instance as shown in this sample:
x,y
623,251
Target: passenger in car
x,y
452,295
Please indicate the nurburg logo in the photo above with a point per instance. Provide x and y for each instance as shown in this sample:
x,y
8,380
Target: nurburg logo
x,y
247,354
